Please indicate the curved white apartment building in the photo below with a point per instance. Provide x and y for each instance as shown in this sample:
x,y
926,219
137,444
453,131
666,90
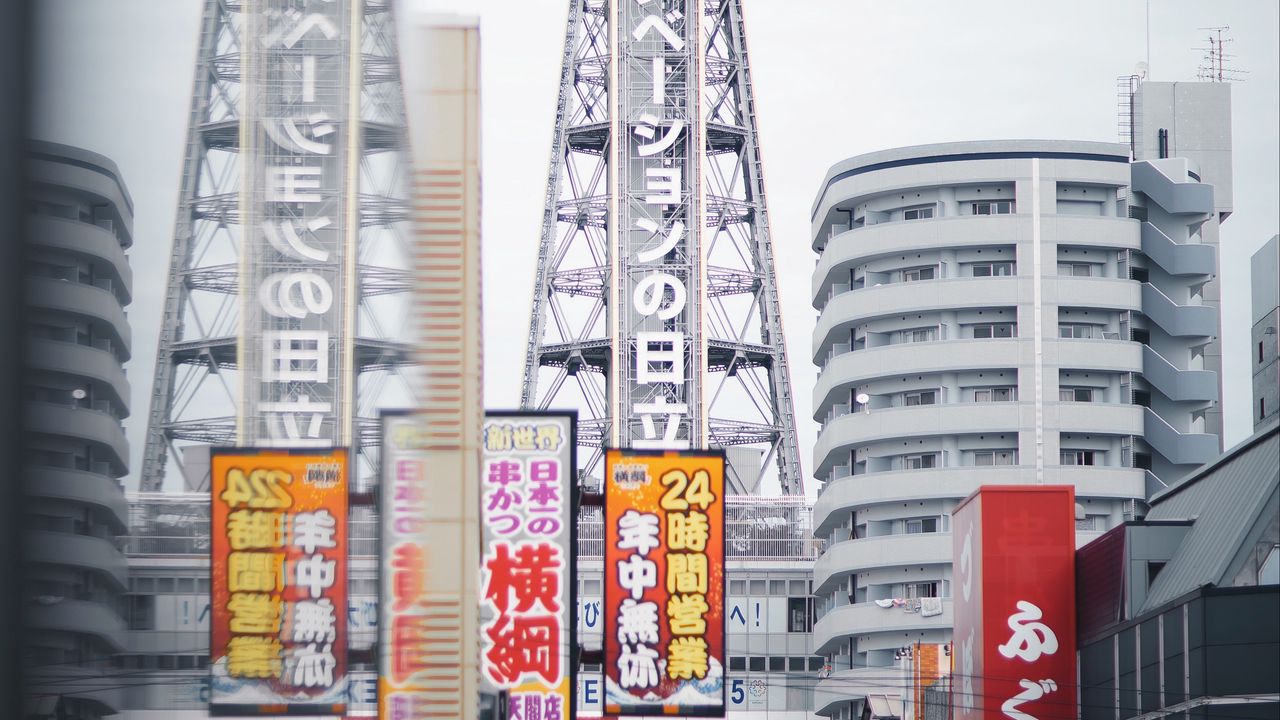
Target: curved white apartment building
x,y
991,312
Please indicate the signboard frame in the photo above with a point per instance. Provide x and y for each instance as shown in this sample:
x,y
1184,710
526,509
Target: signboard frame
x,y
716,580
572,501
1015,615
219,611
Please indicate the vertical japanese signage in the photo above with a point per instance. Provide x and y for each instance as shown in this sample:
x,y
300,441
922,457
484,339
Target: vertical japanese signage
x,y
279,582
657,257
297,206
423,564
1015,616
664,631
528,585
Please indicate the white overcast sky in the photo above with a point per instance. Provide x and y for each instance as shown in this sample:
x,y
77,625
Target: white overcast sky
x,y
834,78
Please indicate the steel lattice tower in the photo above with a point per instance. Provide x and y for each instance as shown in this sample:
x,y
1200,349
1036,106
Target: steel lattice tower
x,y
738,390
199,392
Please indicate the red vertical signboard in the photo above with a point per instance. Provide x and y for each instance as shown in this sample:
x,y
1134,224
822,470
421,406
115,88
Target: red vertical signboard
x,y
1015,616
279,582
664,624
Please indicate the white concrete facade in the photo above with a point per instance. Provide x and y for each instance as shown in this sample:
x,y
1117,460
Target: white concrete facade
x,y
981,322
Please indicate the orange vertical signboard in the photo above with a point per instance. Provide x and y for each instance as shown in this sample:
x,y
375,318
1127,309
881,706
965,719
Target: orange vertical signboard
x,y
279,582
664,636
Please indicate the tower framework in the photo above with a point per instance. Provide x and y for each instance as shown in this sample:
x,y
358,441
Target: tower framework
x,y
655,309
289,268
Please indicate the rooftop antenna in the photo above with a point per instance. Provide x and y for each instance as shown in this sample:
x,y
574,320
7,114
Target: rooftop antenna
x,y
1213,68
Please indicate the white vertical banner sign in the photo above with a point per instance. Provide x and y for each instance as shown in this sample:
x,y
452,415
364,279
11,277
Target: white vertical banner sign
x,y
296,270
528,576
656,225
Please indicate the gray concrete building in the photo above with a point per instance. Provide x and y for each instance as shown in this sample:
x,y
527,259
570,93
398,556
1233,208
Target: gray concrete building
x,y
1192,120
80,224
1178,610
998,312
1264,337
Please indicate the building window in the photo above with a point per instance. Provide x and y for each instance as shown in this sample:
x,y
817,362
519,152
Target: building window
x,y
1000,394
1077,457
777,663
920,335
918,213
993,330
777,587
737,662
756,663
800,614
1260,354
920,590
920,462
142,612
916,526
924,397
993,457
1075,330
1075,269
914,274
992,269
1076,394
1001,207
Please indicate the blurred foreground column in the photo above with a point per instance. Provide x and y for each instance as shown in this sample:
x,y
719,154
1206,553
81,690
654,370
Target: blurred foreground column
x,y
440,73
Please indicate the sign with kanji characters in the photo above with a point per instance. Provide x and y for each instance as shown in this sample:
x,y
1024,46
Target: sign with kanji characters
x,y
1014,592
664,625
279,581
528,585
298,222
657,221
426,604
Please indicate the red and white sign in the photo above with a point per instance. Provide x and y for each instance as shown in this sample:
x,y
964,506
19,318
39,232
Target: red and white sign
x,y
1015,615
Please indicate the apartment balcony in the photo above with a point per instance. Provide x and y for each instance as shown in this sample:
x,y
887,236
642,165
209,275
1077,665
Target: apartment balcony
x,y
1118,233
95,243
1093,292
883,551
1177,258
77,423
1085,354
850,369
83,617
840,497
80,300
79,486
925,296
79,551
70,358
854,247
1094,417
845,621
859,428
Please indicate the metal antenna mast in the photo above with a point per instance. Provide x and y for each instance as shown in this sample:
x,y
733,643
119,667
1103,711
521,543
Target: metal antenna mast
x,y
742,396
198,388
